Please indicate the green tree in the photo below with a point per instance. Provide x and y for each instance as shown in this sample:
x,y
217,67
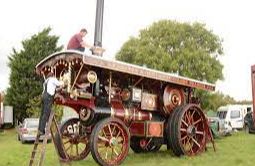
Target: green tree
x,y
212,101
34,108
24,83
244,102
187,49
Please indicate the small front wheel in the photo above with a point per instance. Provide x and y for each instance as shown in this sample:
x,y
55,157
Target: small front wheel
x,y
75,139
109,142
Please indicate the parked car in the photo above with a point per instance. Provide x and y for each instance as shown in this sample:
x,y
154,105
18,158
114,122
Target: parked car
x,y
249,123
225,127
27,131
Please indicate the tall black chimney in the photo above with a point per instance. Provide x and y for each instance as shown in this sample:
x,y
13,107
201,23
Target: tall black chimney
x,y
99,23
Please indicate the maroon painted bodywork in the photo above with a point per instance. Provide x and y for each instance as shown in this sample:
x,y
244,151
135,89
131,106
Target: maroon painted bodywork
x,y
149,102
127,115
76,104
173,94
147,129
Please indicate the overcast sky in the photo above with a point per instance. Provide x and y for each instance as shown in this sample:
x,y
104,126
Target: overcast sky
x,y
232,20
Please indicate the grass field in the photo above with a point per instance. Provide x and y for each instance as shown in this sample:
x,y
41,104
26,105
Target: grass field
x,y
235,150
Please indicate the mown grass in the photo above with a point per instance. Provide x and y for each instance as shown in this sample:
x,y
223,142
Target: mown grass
x,y
236,150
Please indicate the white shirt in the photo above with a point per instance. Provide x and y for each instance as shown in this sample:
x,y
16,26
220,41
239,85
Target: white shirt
x,y
52,84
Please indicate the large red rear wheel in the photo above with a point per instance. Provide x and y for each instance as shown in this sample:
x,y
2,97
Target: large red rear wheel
x,y
109,142
186,132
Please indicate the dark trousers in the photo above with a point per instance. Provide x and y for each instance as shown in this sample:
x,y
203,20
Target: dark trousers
x,y
47,101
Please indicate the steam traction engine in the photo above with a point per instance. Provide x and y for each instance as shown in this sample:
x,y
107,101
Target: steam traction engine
x,y
122,105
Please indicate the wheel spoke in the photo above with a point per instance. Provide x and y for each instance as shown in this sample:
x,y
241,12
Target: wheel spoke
x,y
186,117
183,138
118,134
183,130
192,117
189,117
68,147
113,129
200,132
148,142
77,151
81,148
104,132
195,141
66,142
115,152
192,151
71,150
185,123
106,153
112,152
103,139
109,128
187,143
196,122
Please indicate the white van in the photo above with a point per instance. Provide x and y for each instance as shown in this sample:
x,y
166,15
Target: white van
x,y
232,116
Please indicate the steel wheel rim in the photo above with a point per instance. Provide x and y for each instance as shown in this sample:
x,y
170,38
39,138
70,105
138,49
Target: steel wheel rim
x,y
192,130
75,145
112,143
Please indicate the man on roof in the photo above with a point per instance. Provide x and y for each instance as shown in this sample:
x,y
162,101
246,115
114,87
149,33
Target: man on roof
x,y
77,43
